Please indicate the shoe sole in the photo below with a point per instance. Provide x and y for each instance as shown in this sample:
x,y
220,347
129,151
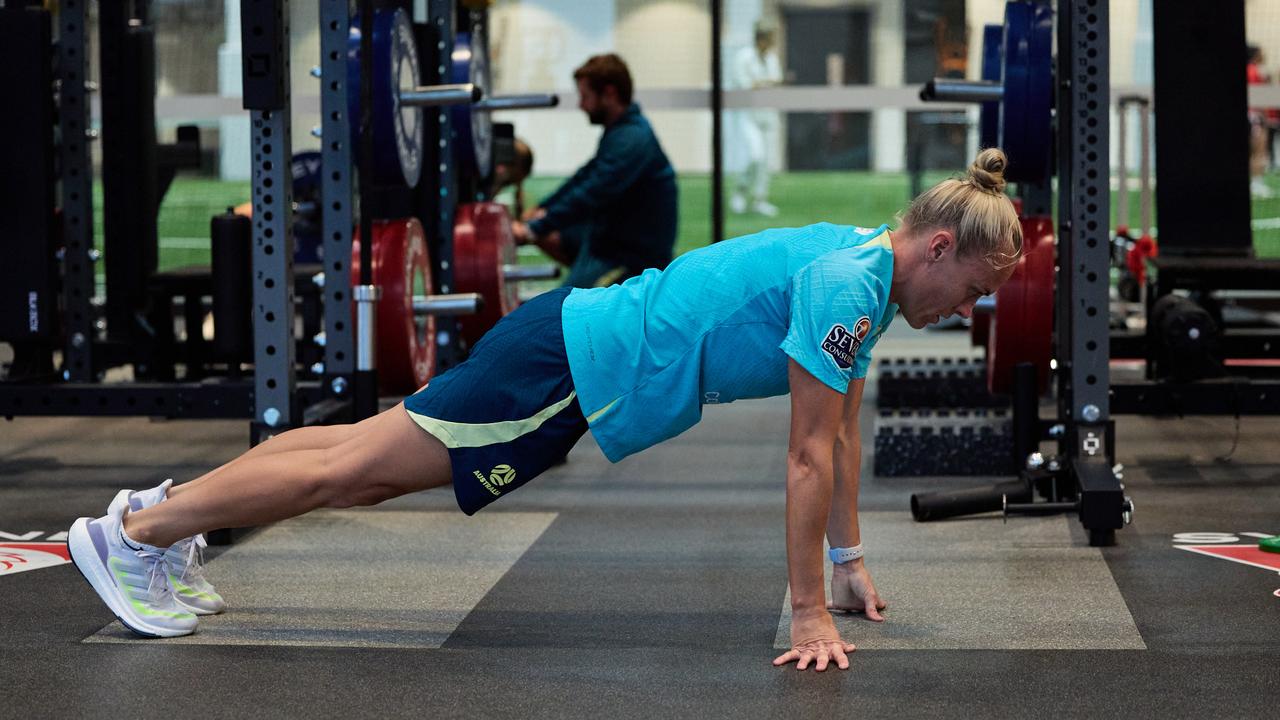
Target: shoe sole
x,y
85,557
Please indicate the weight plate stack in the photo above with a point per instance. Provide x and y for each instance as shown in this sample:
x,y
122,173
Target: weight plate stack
x,y
924,383
943,442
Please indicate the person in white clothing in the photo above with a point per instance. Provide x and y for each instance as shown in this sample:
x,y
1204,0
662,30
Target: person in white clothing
x,y
757,130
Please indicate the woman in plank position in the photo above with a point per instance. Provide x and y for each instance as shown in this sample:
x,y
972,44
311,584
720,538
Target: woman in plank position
x,y
783,311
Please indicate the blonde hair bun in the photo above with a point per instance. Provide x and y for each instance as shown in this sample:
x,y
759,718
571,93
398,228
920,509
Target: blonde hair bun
x,y
975,209
987,170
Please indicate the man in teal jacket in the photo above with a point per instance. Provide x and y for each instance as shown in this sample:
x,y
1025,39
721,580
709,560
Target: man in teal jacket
x,y
617,215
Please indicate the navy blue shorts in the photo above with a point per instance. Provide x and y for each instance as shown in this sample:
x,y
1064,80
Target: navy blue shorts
x,y
510,411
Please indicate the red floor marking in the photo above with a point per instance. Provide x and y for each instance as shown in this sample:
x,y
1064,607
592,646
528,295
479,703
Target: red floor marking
x,y
19,557
1249,554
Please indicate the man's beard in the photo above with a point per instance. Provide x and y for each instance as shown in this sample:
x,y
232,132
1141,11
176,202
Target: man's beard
x,y
597,117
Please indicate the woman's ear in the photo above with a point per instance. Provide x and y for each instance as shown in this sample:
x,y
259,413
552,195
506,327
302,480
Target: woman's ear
x,y
942,242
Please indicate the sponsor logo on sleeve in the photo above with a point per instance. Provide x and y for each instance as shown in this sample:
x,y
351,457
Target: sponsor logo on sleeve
x,y
842,343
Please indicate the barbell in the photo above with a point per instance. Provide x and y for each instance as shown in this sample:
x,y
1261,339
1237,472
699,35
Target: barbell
x,y
485,263
486,274
398,100
472,123
484,250
406,327
1023,89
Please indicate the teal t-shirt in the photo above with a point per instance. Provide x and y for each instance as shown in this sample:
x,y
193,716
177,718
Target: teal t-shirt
x,y
718,325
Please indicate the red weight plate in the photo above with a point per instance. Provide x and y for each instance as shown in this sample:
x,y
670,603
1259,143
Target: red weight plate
x,y
1038,310
406,354
1022,326
482,244
1002,329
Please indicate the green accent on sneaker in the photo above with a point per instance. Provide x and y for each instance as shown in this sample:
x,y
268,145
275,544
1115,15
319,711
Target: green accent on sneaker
x,y
188,591
122,576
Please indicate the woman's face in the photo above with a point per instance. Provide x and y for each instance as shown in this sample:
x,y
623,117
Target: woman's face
x,y
948,284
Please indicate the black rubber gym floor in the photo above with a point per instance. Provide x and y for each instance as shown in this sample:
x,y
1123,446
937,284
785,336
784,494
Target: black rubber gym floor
x,y
656,588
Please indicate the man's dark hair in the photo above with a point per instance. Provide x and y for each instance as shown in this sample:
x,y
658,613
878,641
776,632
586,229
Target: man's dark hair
x,y
524,158
602,70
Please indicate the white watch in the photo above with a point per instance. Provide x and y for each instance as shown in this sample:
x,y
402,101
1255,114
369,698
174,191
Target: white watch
x,y
841,556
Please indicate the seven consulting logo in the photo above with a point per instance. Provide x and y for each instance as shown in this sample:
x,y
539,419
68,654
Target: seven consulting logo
x,y
842,344
1229,546
20,553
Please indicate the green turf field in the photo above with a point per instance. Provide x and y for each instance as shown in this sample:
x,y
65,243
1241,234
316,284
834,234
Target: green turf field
x,y
862,198
852,198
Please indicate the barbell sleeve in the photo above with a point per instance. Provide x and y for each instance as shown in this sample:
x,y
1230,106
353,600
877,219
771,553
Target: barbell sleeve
x,y
366,297
518,273
439,95
448,305
517,102
968,91
943,504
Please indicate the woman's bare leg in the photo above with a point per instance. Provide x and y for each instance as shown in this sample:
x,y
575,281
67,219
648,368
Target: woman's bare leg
x,y
382,457
305,438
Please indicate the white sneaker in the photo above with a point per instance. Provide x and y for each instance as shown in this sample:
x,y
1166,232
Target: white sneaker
x,y
765,208
738,204
184,565
1259,189
183,562
130,578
